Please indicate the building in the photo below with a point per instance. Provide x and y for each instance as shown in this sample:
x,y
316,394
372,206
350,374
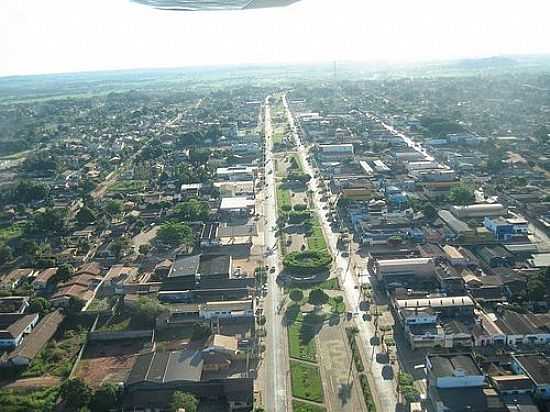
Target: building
x,y
454,256
116,277
479,210
506,228
208,375
202,266
237,206
13,327
80,287
395,270
336,151
227,309
33,343
43,279
458,227
454,371
537,368
209,235
236,173
449,306
496,256
14,304
14,278
521,330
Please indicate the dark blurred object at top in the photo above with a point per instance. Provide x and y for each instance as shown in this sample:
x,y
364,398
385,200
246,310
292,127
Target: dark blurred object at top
x,y
198,5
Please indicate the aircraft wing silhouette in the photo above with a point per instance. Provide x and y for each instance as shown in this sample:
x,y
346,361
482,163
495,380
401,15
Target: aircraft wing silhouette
x,y
199,5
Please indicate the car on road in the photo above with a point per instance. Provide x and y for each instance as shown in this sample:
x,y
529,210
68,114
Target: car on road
x,y
272,270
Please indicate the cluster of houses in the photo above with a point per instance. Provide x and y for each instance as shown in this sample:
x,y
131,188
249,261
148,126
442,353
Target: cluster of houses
x,y
458,275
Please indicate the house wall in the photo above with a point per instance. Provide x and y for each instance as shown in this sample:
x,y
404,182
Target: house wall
x,y
448,382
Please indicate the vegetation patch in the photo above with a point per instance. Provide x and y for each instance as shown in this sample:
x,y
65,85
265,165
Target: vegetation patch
x,y
283,199
308,262
337,304
306,381
301,342
37,400
367,395
57,357
10,232
128,186
315,238
299,406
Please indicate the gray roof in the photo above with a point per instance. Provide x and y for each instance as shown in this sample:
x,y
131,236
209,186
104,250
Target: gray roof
x,y
444,366
163,367
185,266
513,323
536,366
237,230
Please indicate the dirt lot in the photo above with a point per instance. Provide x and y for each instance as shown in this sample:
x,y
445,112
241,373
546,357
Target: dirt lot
x,y
111,362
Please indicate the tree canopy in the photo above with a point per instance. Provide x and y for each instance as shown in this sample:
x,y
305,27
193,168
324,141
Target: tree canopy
x,y
296,295
461,195
192,210
76,394
85,216
183,400
175,234
318,297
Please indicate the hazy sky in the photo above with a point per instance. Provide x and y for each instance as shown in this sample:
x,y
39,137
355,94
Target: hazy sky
x,y
45,36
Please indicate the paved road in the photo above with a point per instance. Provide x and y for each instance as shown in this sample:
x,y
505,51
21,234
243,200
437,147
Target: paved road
x,y
383,387
276,388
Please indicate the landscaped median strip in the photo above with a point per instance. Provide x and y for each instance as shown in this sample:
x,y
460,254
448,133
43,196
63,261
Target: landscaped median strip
x,y
306,381
359,366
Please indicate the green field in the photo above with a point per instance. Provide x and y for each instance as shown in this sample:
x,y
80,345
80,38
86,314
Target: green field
x,y
7,233
306,381
283,198
316,239
128,186
299,406
299,346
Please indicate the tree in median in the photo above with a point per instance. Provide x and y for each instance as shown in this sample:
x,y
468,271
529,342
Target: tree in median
x,y
183,400
318,297
76,394
296,295
175,234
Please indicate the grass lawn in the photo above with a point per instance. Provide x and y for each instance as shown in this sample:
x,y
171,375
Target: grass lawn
x,y
7,233
278,135
283,197
316,239
299,406
128,186
330,284
298,347
306,381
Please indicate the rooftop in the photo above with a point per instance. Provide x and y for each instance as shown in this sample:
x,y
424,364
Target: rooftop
x,y
451,365
536,366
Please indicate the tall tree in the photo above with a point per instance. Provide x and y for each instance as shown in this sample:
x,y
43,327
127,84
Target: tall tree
x,y
76,394
183,400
